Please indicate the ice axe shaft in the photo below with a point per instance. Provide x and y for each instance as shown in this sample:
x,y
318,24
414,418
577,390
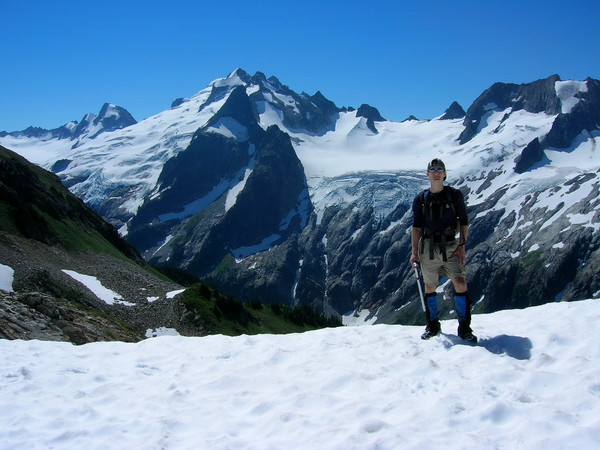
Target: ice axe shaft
x,y
416,267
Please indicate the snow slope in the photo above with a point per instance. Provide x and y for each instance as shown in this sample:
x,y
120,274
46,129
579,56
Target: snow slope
x,y
531,383
129,157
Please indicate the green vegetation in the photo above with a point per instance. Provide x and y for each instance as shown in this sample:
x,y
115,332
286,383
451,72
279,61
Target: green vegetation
x,y
217,313
179,276
35,205
6,217
226,264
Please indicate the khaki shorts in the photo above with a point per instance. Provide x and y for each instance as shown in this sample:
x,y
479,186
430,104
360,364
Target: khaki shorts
x,y
432,268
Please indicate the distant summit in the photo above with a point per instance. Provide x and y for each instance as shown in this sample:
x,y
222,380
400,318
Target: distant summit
x,y
110,118
454,111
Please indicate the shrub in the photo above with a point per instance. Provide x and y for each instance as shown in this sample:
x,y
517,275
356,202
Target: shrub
x,y
231,309
256,304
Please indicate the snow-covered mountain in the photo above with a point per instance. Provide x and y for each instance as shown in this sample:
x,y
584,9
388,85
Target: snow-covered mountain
x,y
110,118
288,198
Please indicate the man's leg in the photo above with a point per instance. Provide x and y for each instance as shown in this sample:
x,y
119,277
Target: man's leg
x,y
431,303
430,270
431,311
462,304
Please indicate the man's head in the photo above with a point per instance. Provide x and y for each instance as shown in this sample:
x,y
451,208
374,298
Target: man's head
x,y
436,166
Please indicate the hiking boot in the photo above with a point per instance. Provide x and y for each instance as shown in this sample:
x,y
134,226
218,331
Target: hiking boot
x,y
469,337
432,329
465,333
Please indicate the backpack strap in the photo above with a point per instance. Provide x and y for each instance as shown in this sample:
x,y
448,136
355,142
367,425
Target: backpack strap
x,y
426,193
450,198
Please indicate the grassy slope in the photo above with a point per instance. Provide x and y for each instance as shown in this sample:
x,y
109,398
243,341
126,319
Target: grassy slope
x,y
220,314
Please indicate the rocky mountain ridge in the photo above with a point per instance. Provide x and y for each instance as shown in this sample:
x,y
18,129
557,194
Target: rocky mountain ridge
x,y
45,232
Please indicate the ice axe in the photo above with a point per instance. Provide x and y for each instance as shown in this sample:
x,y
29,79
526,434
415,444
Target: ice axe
x,y
416,267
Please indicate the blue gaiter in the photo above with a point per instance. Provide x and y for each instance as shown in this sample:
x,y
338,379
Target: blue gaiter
x,y
432,306
460,303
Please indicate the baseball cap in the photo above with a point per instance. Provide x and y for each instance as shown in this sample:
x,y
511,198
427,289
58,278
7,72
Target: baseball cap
x,y
436,163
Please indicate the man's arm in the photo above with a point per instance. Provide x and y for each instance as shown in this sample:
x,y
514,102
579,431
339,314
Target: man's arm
x,y
464,231
415,236
460,252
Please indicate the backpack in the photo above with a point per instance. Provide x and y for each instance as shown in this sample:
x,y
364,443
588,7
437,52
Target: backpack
x,y
444,204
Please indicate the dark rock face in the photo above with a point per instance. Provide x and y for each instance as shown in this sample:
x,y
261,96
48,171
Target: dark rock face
x,y
409,118
267,277
177,102
272,205
334,265
277,176
508,271
584,116
187,183
538,96
530,155
239,108
371,114
196,177
272,191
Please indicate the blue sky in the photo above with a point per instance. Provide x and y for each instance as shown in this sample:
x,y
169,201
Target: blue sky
x,y
62,59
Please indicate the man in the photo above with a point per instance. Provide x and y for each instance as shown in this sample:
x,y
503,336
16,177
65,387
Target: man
x,y
439,214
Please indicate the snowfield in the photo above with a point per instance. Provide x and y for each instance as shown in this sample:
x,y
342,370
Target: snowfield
x,y
533,382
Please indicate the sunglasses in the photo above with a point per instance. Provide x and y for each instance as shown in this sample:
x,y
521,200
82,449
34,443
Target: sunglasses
x,y
436,170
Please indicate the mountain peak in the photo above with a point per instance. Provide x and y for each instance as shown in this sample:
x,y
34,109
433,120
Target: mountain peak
x,y
258,78
369,112
238,77
114,117
241,74
454,111
410,118
110,118
238,107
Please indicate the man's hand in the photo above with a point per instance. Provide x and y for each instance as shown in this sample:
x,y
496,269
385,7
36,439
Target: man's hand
x,y
461,254
414,258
